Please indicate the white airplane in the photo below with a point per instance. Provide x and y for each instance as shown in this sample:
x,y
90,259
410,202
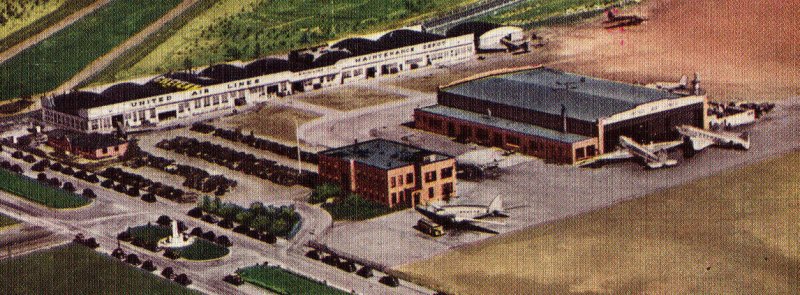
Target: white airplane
x,y
466,216
701,139
652,154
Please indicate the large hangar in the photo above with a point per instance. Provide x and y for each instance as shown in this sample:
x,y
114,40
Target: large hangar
x,y
555,115
215,90
490,37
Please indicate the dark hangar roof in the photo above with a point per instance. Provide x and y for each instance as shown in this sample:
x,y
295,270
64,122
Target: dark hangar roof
x,y
72,102
384,154
477,28
405,37
266,66
358,46
546,90
224,72
131,91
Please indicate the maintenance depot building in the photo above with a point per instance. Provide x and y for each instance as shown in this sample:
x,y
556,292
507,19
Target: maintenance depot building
x,y
389,172
557,116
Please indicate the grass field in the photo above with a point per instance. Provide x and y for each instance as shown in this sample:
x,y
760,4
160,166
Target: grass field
x,y
6,221
347,99
137,53
244,29
75,269
16,14
533,11
735,232
283,282
35,191
46,65
271,121
38,20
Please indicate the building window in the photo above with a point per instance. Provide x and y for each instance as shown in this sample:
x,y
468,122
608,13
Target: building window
x,y
590,150
430,176
394,182
409,178
105,150
394,198
447,172
512,140
400,180
580,153
447,189
430,193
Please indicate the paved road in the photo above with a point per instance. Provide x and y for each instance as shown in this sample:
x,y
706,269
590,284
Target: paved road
x,y
101,63
33,40
112,213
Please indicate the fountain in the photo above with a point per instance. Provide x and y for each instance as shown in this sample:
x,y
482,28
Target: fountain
x,y
177,239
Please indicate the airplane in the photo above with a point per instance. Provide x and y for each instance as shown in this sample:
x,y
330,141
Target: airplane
x,y
466,216
652,154
700,139
617,21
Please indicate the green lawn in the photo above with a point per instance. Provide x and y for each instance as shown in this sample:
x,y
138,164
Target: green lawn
x,y
283,282
150,234
357,208
245,29
33,190
6,221
203,250
46,65
75,269
535,11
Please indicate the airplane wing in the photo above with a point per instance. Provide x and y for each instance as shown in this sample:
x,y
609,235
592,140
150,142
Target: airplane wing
x,y
462,219
700,143
615,155
662,146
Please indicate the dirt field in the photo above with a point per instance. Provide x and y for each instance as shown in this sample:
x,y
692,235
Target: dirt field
x,y
731,233
745,50
350,98
271,121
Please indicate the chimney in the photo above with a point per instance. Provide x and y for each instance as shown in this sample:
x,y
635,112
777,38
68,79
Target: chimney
x,y
696,84
563,118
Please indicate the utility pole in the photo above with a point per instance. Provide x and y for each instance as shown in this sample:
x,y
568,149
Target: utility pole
x,y
297,138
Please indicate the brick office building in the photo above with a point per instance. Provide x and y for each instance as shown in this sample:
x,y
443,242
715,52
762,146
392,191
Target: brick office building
x,y
557,116
389,172
90,146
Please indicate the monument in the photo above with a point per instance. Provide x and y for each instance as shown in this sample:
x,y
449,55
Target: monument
x,y
177,239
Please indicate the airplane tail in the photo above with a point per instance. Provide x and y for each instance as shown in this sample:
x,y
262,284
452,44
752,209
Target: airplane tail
x,y
496,205
746,138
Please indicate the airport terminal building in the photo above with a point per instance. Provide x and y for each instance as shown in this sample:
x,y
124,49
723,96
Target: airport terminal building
x,y
389,172
215,91
558,116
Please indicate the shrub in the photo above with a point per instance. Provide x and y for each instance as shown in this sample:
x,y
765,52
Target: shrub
x,y
125,236
148,266
224,241
197,231
133,259
183,280
168,272
41,177
323,192
108,183
210,235
56,166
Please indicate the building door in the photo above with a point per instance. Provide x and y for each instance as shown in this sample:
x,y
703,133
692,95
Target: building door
x,y
416,198
497,140
371,71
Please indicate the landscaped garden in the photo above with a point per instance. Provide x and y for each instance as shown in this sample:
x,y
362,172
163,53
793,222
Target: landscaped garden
x,y
205,247
344,206
49,63
38,192
258,221
75,269
281,281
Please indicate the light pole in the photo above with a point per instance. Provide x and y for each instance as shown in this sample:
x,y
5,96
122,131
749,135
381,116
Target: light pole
x,y
297,138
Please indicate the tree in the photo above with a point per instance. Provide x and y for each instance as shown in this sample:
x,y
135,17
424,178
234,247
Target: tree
x,y
196,212
244,217
260,223
257,50
187,64
197,231
209,235
224,241
205,204
279,227
229,211
150,198
217,205
148,266
41,177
